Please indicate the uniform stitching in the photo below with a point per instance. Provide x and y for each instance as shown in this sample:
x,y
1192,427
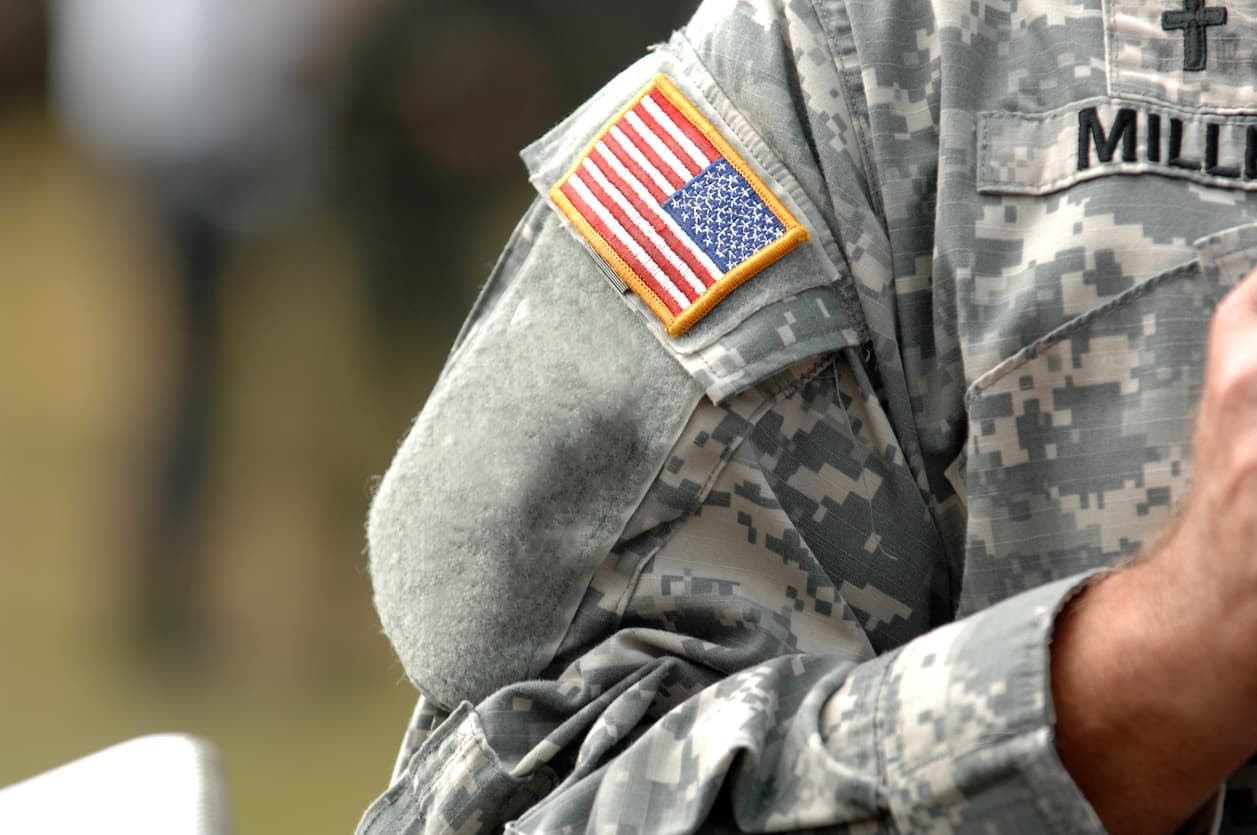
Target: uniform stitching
x,y
1110,67
1030,352
989,181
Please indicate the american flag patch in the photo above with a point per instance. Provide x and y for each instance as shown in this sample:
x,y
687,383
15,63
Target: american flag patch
x,y
669,205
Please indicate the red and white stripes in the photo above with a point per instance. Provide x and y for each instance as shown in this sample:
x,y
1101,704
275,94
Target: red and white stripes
x,y
672,208
619,188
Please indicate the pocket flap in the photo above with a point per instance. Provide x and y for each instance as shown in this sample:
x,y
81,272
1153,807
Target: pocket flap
x,y
1227,256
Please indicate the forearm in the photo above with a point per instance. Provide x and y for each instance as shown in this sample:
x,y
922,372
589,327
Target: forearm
x,y
1152,714
955,726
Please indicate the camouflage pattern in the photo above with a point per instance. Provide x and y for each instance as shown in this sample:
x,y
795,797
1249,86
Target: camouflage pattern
x,y
1039,153
817,590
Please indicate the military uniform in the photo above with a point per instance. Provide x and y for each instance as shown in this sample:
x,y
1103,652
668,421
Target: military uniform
x,y
796,565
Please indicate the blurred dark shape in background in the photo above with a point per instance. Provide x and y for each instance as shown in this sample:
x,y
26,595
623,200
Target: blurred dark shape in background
x,y
236,241
22,57
444,96
214,107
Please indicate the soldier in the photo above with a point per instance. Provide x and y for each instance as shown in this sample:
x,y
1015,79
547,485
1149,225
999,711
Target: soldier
x,y
817,454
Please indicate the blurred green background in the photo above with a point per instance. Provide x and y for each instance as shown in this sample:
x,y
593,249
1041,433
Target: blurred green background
x,y
197,394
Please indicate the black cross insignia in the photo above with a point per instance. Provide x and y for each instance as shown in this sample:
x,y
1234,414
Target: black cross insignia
x,y
1193,20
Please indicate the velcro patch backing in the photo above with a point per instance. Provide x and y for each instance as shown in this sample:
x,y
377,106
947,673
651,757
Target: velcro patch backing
x,y
673,209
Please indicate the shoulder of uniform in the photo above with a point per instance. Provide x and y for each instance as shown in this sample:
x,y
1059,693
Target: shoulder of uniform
x,y
697,222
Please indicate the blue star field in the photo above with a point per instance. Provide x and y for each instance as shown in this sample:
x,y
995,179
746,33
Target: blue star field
x,y
721,213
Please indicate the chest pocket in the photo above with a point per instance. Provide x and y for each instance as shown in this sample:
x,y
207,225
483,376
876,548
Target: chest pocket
x,y
1079,446
1185,53
1179,99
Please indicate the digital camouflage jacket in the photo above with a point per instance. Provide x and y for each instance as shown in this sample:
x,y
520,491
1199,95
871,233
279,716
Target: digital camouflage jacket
x,y
781,550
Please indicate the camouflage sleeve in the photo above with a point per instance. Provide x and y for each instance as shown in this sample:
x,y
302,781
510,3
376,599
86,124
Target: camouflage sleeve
x,y
738,688
651,582
951,733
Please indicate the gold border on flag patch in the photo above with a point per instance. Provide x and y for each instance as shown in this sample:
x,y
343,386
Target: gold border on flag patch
x,y
673,209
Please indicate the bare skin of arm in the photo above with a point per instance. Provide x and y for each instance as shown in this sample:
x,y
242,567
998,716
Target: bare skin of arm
x,y
1154,668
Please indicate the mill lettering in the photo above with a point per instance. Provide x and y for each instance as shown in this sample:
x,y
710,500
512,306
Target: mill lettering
x,y
1131,129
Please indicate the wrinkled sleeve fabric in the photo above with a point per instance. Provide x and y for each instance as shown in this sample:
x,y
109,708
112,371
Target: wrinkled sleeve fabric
x,y
514,538
951,733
